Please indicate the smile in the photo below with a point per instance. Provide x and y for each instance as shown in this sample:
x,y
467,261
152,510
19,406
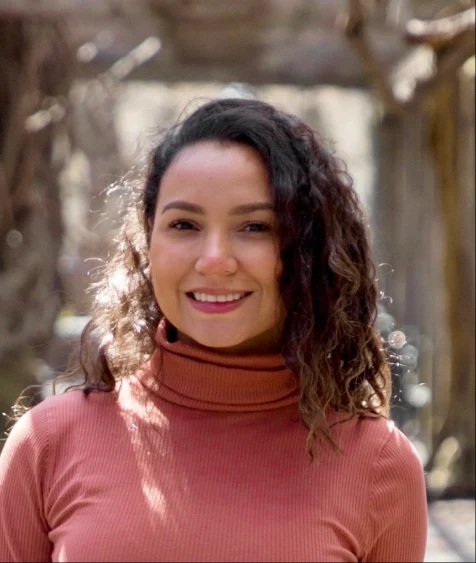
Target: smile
x,y
218,298
212,303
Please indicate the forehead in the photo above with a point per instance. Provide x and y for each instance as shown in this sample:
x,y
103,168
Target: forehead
x,y
212,171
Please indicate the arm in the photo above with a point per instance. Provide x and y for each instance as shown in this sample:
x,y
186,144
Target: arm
x,y
23,527
398,506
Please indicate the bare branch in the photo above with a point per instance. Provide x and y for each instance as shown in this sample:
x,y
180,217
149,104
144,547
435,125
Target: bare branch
x,y
51,9
448,64
6,211
27,87
411,83
438,33
355,32
43,117
133,59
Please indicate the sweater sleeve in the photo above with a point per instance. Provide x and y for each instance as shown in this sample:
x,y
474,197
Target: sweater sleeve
x,y
23,527
398,506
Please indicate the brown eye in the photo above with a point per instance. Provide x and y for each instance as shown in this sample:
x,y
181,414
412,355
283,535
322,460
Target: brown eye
x,y
181,225
257,227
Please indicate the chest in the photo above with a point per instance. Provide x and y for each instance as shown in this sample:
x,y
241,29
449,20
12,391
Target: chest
x,y
202,495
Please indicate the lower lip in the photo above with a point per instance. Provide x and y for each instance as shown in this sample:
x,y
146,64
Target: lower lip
x,y
216,307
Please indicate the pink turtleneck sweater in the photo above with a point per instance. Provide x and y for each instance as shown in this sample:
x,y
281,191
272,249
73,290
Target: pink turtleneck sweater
x,y
210,465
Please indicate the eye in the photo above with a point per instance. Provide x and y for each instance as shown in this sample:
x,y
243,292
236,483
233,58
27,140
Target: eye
x,y
257,227
182,225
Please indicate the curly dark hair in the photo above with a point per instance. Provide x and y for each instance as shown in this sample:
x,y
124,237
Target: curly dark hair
x,y
328,282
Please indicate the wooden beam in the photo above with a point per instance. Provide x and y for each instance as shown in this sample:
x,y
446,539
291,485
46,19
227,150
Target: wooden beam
x,y
54,9
173,71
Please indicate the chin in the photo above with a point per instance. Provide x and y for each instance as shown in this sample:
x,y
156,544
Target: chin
x,y
253,344
231,338
220,344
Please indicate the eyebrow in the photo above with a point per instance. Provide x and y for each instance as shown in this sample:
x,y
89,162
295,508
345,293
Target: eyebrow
x,y
238,210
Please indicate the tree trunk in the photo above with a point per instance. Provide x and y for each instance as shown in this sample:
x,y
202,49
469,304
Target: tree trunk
x,y
407,245
452,130
35,76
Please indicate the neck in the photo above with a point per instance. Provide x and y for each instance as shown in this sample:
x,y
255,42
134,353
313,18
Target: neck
x,y
199,377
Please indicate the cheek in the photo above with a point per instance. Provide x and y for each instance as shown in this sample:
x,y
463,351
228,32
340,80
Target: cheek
x,y
277,265
167,266
268,268
278,269
167,256
263,259
162,255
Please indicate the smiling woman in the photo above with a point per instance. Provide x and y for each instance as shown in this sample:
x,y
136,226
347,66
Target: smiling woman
x,y
235,395
214,255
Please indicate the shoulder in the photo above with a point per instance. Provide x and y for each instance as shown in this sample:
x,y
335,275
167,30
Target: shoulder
x,y
377,450
396,504
393,449
387,456
58,430
71,404
76,402
59,414
377,435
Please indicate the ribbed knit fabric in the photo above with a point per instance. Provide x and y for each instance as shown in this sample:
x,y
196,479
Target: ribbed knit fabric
x,y
201,457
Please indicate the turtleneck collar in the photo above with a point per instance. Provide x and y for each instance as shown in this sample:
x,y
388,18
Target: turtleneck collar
x,y
197,377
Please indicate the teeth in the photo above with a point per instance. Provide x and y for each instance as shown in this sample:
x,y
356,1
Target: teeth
x,y
217,298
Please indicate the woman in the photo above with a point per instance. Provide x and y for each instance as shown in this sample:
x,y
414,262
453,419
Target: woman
x,y
236,391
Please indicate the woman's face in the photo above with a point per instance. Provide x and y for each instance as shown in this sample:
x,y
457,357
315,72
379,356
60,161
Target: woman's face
x,y
214,255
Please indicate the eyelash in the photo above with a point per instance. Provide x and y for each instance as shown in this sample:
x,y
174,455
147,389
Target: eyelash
x,y
262,227
175,225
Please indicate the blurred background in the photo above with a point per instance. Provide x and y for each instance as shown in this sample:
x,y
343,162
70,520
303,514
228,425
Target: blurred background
x,y
389,86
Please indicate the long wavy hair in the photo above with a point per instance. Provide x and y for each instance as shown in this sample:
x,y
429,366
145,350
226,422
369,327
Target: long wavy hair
x,y
328,281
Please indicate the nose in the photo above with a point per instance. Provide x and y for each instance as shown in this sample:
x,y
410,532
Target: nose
x,y
216,257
